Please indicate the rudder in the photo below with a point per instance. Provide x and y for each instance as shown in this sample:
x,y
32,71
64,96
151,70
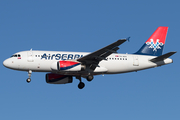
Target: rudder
x,y
155,44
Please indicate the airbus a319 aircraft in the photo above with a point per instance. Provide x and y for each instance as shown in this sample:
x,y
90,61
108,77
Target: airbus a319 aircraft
x,y
63,66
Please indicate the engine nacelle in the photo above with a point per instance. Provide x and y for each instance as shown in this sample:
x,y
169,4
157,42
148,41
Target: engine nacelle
x,y
66,66
53,78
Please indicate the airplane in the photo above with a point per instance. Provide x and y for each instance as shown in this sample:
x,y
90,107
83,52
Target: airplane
x,y
62,66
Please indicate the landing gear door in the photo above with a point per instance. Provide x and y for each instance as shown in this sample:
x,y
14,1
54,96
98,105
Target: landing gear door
x,y
30,56
135,61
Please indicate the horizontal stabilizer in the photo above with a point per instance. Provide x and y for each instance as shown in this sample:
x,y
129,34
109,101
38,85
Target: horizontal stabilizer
x,y
162,57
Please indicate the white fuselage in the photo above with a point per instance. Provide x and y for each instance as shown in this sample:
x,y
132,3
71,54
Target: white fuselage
x,y
41,61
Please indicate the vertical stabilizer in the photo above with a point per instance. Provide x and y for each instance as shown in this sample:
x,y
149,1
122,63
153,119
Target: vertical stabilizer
x,y
155,44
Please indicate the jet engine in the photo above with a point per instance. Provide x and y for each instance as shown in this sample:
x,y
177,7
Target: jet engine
x,y
53,78
66,66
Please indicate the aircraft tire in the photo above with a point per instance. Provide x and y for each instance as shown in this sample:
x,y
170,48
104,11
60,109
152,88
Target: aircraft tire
x,y
28,80
81,85
89,78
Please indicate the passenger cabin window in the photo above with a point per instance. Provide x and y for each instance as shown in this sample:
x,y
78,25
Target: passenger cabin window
x,y
37,56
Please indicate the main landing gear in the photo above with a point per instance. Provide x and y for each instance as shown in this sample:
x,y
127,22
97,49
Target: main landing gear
x,y
81,85
89,78
29,74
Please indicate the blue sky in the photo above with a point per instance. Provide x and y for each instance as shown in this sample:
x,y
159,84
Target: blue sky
x,y
87,26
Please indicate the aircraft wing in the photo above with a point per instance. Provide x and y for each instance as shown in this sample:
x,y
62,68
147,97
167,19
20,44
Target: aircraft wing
x,y
92,60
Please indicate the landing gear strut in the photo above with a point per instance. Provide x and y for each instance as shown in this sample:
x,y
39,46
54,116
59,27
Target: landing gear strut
x,y
81,84
29,74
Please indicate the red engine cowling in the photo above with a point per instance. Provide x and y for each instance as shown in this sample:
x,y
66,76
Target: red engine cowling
x,y
66,66
53,78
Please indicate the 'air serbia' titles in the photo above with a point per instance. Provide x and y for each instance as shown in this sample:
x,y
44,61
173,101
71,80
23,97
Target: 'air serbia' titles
x,y
60,56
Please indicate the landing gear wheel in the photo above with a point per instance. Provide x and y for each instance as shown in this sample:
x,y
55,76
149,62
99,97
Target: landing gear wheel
x,y
28,80
81,85
89,78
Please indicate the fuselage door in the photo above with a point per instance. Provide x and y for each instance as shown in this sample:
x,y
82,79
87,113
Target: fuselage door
x,y
135,61
30,56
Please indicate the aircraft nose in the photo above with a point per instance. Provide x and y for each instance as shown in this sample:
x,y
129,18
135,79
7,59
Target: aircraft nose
x,y
6,63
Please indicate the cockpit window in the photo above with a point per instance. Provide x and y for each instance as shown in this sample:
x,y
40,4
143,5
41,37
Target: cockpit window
x,y
16,55
13,56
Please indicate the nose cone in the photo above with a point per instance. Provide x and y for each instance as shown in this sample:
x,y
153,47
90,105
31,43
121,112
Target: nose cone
x,y
11,64
6,63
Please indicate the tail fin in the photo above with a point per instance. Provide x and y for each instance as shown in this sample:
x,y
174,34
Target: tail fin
x,y
155,44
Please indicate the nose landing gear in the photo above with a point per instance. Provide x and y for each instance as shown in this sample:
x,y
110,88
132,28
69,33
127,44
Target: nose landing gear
x,y
29,74
28,80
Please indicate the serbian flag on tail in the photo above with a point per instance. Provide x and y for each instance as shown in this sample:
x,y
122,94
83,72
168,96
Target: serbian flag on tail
x,y
155,44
